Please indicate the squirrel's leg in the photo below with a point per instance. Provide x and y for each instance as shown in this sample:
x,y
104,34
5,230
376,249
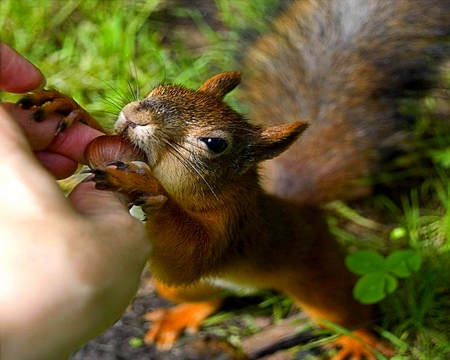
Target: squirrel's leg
x,y
324,291
197,302
47,102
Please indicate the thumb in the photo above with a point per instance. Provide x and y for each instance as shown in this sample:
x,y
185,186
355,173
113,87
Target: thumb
x,y
19,166
108,213
92,202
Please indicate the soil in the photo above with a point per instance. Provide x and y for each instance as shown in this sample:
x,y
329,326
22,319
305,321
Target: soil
x,y
123,341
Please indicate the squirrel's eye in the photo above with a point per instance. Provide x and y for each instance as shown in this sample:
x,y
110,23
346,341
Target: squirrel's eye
x,y
216,145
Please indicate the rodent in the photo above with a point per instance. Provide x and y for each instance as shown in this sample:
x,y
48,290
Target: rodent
x,y
331,73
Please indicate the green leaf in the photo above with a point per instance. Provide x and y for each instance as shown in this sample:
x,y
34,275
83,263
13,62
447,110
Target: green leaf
x,y
391,283
403,262
370,288
365,262
374,287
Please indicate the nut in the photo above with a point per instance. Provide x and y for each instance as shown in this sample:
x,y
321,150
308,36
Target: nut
x,y
106,149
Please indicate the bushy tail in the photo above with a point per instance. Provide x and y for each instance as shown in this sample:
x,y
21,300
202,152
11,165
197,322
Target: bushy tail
x,y
342,65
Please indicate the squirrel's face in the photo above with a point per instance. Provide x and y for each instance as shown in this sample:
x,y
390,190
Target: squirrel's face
x,y
187,136
193,141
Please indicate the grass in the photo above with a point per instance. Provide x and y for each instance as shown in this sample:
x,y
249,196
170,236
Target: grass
x,y
419,312
416,317
102,52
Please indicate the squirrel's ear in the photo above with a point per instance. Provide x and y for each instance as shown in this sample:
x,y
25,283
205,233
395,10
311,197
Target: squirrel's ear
x,y
221,84
276,139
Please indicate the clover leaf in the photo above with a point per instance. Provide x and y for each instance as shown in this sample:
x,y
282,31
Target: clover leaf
x,y
379,274
403,263
364,262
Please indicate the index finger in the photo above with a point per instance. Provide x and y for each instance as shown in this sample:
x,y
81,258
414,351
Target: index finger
x,y
17,74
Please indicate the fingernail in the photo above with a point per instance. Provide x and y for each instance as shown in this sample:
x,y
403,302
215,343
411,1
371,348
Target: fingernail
x,y
43,83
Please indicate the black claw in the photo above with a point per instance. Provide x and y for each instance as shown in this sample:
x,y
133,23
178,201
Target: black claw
x,y
100,186
98,174
138,202
61,127
25,103
38,115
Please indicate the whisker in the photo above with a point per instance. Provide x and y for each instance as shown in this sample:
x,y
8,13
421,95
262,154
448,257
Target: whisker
x,y
124,96
194,145
188,164
111,102
134,90
108,112
117,103
188,150
163,66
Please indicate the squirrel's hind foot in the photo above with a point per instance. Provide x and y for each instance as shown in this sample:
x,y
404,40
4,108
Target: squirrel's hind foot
x,y
168,324
48,102
362,346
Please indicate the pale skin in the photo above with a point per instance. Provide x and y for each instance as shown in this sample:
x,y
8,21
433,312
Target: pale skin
x,y
68,266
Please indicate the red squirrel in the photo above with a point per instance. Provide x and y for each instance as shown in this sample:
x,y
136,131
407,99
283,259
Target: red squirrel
x,y
210,223
331,73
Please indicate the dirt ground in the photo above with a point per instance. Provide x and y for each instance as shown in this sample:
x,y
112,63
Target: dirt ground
x,y
121,341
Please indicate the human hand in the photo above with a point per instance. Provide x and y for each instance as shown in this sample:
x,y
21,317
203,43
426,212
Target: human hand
x,y
68,266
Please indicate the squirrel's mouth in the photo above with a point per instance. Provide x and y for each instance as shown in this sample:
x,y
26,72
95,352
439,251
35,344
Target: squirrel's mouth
x,y
142,145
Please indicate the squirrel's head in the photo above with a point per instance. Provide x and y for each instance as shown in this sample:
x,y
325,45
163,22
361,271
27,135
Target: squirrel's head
x,y
194,141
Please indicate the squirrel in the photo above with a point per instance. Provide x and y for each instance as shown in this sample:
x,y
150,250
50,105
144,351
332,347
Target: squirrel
x,y
323,89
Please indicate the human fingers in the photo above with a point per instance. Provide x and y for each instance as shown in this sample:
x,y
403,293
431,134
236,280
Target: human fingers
x,y
59,165
127,243
92,202
17,74
73,141
24,181
39,134
58,154
62,156
106,207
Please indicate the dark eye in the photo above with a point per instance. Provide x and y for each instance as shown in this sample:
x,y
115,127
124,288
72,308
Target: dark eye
x,y
216,145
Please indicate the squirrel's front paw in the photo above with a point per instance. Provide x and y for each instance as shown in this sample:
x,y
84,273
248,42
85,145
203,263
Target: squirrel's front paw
x,y
131,179
48,102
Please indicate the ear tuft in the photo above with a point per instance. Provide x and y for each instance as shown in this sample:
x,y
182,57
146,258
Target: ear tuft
x,y
221,84
277,139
